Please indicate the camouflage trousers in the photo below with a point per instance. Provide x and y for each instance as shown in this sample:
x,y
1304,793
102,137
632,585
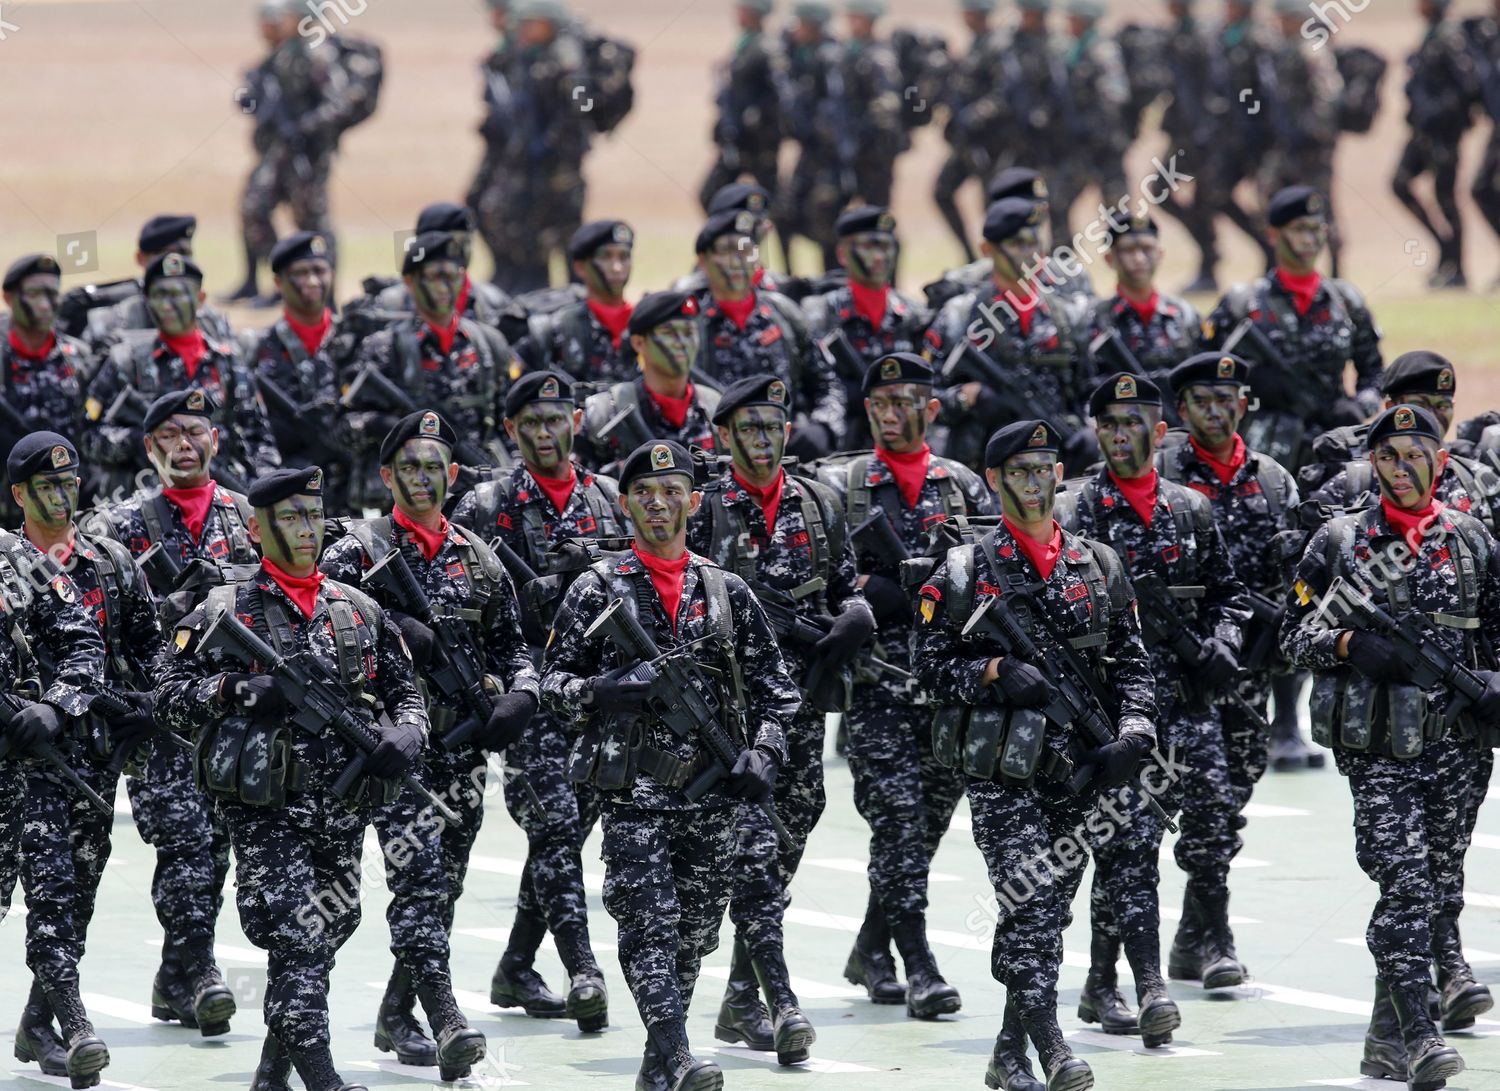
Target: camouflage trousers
x,y
1479,786
297,882
12,804
763,865
901,791
1486,187
1035,862
1410,836
525,214
283,176
1103,168
65,844
810,201
192,850
666,884
1246,744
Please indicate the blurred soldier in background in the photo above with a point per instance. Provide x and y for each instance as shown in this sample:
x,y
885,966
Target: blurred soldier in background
x,y
818,118
1094,133
748,131
975,139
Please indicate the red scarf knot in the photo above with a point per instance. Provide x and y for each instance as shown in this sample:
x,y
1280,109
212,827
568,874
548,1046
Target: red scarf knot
x,y
1140,492
302,590
1224,471
666,577
769,498
446,336
673,410
871,303
909,470
428,541
1146,309
613,317
1302,286
194,504
310,336
1042,555
558,489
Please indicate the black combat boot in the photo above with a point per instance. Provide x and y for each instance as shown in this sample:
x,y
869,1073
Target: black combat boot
x,y
1185,961
652,1076
742,1017
397,1029
588,999
1065,1072
870,963
927,994
1157,1015
1101,1000
315,1066
213,1003
275,1067
1222,969
459,1046
1288,750
1009,1068
87,1053
1385,1049
791,1030
516,984
36,1041
1462,999
171,995
1430,1061
250,289
684,1072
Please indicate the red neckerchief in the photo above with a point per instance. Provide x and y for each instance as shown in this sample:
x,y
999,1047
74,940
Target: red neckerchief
x,y
1140,492
666,577
1224,471
673,410
613,317
445,336
34,355
558,489
428,541
769,498
1302,287
1042,555
757,277
190,347
1025,308
64,553
909,470
738,310
870,302
302,590
1411,524
194,504
1146,310
461,304
310,336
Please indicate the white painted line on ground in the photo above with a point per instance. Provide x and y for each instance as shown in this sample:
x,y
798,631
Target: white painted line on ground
x,y
502,865
1486,841
1362,1083
805,989
427,1076
813,918
1124,1043
860,867
1271,810
813,1064
1473,954
1172,913
114,1007
63,1081
1482,901
1301,998
1239,863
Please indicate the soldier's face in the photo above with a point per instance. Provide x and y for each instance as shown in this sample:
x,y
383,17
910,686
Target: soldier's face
x,y
173,303
419,476
1128,435
1033,21
899,415
290,533
748,18
49,499
33,305
1301,241
435,288
756,437
1407,469
181,448
729,264
1439,405
1025,250
544,433
1236,12
659,507
870,258
1079,25
536,32
608,271
1027,486
861,26
305,285
1136,258
1179,10
1212,412
977,22
671,347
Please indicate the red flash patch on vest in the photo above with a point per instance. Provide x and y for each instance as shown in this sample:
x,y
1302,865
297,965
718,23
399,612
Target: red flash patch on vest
x,y
931,592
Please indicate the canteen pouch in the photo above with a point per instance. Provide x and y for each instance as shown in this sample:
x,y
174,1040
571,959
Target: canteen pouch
x,y
218,756
1361,708
1407,717
1026,733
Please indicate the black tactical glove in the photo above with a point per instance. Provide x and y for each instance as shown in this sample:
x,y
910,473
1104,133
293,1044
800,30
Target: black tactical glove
x,y
1376,658
886,598
614,696
421,641
513,711
754,775
1486,709
846,638
1115,763
810,441
1217,664
129,731
256,695
35,725
1020,685
397,752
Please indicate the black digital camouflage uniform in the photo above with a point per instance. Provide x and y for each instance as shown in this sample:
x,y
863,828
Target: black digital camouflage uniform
x,y
573,341
1239,66
1094,135
871,77
748,130
1194,113
668,861
310,437
1184,546
1484,39
600,452
976,135
47,393
1174,333
297,873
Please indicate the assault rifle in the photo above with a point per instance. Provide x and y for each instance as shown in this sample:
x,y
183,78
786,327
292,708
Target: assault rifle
x,y
878,538
111,704
371,389
1263,632
1273,373
1018,397
841,355
11,706
781,611
1125,359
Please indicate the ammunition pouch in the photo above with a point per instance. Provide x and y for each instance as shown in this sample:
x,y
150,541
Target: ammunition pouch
x,y
666,770
828,690
606,755
1005,745
1382,719
248,761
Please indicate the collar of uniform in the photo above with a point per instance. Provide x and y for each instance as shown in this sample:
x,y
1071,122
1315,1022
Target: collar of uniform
x,y
1110,496
628,564
528,490
1273,284
268,585
712,309
400,533
1377,526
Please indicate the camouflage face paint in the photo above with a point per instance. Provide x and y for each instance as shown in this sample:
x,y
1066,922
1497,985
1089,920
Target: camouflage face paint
x,y
757,439
659,507
419,476
872,259
608,271
35,306
673,346
49,500
292,533
181,449
1299,243
436,287
1125,437
1021,252
731,264
1136,259
173,304
1028,486
544,433
1406,470
898,416
306,286
1212,412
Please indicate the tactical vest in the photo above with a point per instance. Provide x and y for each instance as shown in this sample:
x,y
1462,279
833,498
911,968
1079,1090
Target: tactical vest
x,y
297,353
1104,319
112,559
491,495
1189,519
1285,316
626,398
859,495
409,365
142,374
234,515
1171,468
779,318
826,535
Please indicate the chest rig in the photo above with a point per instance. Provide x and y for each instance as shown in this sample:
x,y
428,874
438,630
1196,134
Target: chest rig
x,y
861,496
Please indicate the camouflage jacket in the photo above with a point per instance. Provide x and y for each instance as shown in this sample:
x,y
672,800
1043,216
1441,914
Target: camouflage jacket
x,y
517,510
1466,485
1441,84
109,325
573,341
1174,333
749,96
1098,94
149,518
901,327
1240,55
1029,96
1308,80
1192,109
599,451
48,630
873,95
48,394
118,598
536,121
279,358
313,93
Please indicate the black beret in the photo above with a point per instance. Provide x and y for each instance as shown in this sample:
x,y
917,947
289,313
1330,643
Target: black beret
x,y
863,220
191,402
538,386
591,236
1005,218
1404,420
1293,203
1419,373
423,424
732,221
656,459
296,247
756,390
1124,388
1139,223
898,367
742,196
160,232
659,307
1209,367
279,485
1016,182
23,267
40,452
171,264
431,246
444,216
1023,435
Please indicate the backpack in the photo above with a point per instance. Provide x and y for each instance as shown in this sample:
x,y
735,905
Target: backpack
x,y
1363,71
922,56
364,67
610,63
74,307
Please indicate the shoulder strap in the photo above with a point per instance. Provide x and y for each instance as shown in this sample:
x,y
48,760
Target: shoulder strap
x,y
155,515
373,536
409,356
480,564
960,569
857,492
728,527
236,517
825,524
109,564
1270,487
